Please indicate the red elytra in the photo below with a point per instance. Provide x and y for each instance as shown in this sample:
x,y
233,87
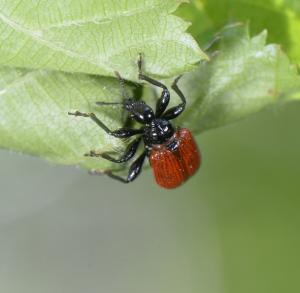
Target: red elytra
x,y
172,168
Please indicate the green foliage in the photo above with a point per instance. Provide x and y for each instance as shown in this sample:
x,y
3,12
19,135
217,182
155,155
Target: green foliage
x,y
34,120
281,19
242,78
49,51
96,37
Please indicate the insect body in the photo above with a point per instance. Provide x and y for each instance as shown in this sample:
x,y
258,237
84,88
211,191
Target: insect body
x,y
176,161
172,152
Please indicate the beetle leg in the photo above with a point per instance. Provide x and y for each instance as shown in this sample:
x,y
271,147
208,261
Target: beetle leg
x,y
177,110
149,79
133,173
128,154
120,133
163,102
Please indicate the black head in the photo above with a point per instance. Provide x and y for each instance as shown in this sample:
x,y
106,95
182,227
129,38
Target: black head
x,y
158,131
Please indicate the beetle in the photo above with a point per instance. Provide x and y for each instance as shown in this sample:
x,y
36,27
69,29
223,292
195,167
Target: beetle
x,y
172,152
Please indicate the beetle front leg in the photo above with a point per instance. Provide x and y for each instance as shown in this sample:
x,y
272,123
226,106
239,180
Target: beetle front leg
x,y
177,110
163,102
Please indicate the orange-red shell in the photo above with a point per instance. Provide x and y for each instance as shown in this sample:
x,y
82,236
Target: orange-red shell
x,y
172,167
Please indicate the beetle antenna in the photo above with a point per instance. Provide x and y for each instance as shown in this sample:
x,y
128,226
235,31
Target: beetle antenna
x,y
108,103
123,87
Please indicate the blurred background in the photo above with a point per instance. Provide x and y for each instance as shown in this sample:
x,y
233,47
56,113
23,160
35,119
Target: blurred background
x,y
234,227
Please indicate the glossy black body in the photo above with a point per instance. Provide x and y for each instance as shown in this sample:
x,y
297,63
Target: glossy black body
x,y
156,128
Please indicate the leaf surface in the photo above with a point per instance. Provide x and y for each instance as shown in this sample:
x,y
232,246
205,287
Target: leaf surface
x,y
96,37
281,18
34,116
244,76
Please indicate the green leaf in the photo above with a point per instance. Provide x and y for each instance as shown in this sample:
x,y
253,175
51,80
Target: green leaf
x,y
202,27
244,77
281,18
34,116
98,37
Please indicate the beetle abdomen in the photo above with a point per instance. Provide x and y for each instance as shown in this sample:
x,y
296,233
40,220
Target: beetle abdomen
x,y
173,166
